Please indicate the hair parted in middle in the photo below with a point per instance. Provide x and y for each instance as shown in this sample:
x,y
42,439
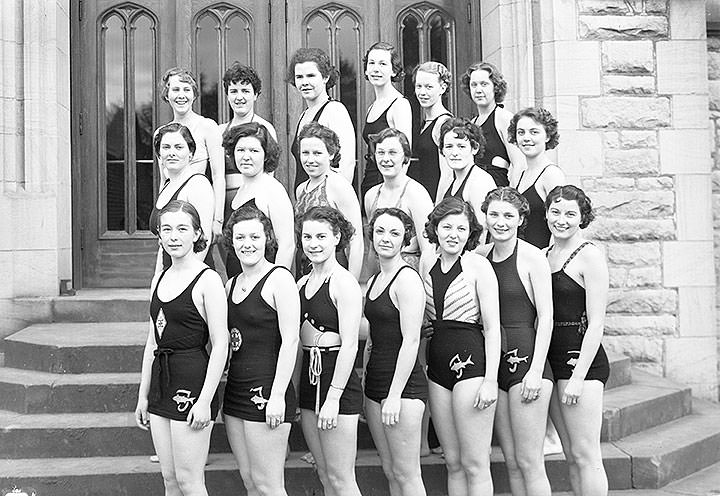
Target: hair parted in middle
x,y
406,220
251,212
189,209
454,206
508,195
174,127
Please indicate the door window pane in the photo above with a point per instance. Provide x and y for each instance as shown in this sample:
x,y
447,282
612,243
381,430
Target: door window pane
x,y
349,64
208,63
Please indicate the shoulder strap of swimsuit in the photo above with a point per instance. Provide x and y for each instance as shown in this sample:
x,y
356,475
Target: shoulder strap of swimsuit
x,y
396,276
232,287
391,104
197,277
538,176
402,193
177,192
264,278
316,118
157,285
372,283
572,255
373,206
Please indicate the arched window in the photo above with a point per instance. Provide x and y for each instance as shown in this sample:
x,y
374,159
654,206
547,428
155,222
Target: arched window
x,y
223,34
127,78
427,33
338,31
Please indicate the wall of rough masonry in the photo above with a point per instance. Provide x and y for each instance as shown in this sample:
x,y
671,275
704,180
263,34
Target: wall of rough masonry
x,y
628,82
713,44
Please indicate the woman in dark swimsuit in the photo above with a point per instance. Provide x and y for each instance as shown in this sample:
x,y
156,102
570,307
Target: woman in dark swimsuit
x,y
330,391
395,385
389,109
464,351
525,378
255,154
486,86
312,74
535,131
263,318
578,360
174,146
177,396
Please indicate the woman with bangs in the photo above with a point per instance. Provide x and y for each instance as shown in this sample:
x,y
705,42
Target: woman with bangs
x,y
330,312
263,318
179,90
390,109
463,354
312,74
526,309
255,154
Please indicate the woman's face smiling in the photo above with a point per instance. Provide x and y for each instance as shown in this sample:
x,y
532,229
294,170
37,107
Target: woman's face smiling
x,y
314,156
379,67
249,156
241,97
482,89
563,218
453,231
388,236
531,137
502,220
390,157
177,234
459,152
309,81
249,241
428,88
174,152
318,240
180,95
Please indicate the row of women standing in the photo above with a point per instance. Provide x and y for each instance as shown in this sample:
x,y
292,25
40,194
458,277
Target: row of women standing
x,y
432,279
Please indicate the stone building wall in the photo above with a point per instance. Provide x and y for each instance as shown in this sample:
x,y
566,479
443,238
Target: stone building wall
x,y
628,82
713,44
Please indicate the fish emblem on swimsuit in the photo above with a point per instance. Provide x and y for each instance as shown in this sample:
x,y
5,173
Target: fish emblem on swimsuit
x,y
183,399
457,365
572,361
512,358
160,322
235,339
258,398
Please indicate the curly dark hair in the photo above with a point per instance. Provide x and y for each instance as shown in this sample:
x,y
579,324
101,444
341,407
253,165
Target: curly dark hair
x,y
174,127
395,61
542,117
333,217
406,220
322,61
184,75
496,77
572,193
391,132
454,206
258,131
244,74
464,129
188,208
511,196
326,135
251,212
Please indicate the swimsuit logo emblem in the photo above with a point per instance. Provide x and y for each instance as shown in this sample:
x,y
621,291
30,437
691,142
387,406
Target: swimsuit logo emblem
x,y
235,339
513,360
572,361
160,322
183,399
457,365
258,398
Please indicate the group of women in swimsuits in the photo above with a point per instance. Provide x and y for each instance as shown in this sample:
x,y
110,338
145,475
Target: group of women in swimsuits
x,y
469,309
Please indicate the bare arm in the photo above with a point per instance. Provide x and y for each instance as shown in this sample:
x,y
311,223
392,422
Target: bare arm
x,y
346,202
400,117
486,287
421,206
517,159
198,192
336,117
141,414
283,222
553,176
213,141
446,174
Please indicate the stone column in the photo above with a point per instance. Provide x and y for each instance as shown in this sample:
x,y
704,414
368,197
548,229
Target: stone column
x,y
35,207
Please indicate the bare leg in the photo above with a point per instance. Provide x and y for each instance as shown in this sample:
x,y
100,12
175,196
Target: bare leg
x,y
441,406
190,452
162,440
504,434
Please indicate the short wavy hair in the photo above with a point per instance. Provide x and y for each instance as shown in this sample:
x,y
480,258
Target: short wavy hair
x,y
431,67
454,206
331,216
186,207
391,132
395,61
251,212
511,196
243,74
322,61
258,131
542,117
314,129
496,77
184,75
572,193
463,129
406,220
174,127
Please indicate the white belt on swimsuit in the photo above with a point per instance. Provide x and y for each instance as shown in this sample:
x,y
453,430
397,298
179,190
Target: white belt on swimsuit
x,y
315,368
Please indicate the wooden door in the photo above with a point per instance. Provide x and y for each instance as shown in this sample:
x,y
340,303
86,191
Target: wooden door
x,y
422,31
122,50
